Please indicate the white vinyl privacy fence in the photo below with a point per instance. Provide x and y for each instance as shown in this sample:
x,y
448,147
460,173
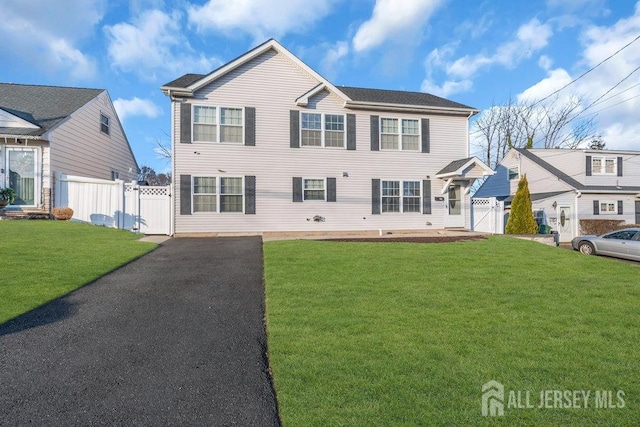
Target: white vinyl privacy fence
x,y
117,204
487,215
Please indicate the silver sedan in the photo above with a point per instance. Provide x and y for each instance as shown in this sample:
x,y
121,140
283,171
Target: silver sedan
x,y
620,244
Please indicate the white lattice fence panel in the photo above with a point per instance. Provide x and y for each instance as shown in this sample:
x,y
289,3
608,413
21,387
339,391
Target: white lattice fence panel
x,y
487,215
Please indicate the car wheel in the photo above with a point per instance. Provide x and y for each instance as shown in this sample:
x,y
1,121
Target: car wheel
x,y
586,248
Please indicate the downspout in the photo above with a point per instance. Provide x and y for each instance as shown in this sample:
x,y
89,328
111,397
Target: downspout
x,y
576,227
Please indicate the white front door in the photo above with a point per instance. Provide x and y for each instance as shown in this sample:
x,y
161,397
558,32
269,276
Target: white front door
x,y
22,176
455,206
565,224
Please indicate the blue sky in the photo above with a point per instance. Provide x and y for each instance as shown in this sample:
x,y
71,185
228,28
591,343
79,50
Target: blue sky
x,y
477,53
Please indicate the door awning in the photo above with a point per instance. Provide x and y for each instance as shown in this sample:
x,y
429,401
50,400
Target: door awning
x,y
470,168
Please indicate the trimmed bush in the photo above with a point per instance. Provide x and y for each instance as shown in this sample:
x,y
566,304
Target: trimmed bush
x,y
521,220
601,226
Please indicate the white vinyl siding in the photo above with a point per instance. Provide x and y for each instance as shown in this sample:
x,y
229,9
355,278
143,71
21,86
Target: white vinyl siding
x,y
322,130
79,147
270,83
217,124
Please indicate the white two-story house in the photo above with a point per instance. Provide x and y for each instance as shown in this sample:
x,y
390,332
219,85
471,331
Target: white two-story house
x,y
264,143
567,186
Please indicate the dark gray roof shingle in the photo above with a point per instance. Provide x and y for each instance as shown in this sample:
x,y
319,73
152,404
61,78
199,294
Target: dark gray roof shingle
x,y
383,96
454,166
44,106
185,81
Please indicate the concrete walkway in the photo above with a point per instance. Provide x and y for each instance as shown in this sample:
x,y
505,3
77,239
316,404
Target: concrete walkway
x,y
174,338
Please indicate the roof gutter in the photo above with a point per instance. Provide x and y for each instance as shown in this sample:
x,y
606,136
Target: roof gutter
x,y
173,92
7,135
408,108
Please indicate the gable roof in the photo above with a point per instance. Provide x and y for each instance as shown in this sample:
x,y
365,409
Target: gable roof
x,y
353,97
572,182
457,167
43,106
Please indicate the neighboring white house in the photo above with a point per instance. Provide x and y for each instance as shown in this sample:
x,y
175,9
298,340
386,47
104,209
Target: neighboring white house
x,y
567,186
264,143
49,129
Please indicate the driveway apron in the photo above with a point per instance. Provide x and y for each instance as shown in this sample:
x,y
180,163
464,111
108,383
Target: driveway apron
x,y
174,338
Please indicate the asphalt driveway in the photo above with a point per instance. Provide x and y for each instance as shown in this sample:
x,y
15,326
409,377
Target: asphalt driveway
x,y
174,338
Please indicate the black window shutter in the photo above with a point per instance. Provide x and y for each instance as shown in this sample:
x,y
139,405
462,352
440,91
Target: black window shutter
x,y
249,126
596,207
331,189
637,211
426,137
620,207
250,195
294,129
185,123
426,196
619,166
375,133
375,196
297,189
185,194
588,165
351,131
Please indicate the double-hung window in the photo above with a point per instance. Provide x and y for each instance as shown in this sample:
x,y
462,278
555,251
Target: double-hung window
x,y
105,124
314,189
217,194
399,134
514,173
217,124
322,130
401,196
604,165
608,207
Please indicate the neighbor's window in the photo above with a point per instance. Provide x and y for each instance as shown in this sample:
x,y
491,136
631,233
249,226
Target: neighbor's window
x,y
314,189
401,196
104,124
322,130
604,165
217,124
608,208
514,173
399,134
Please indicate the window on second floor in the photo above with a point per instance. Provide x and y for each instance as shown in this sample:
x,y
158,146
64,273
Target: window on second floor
x,y
604,165
105,123
514,173
399,134
322,130
217,124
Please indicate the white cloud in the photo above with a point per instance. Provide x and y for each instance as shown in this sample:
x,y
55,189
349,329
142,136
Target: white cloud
x,y
135,107
48,36
447,88
616,113
394,20
530,38
545,62
261,19
153,47
333,57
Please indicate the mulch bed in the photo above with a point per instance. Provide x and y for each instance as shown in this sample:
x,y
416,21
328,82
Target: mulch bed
x,y
411,239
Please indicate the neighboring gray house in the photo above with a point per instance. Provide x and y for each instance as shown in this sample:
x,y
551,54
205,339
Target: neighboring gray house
x,y
569,185
264,143
49,129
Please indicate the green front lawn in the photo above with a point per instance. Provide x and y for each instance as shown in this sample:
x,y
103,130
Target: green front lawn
x,y
42,260
406,334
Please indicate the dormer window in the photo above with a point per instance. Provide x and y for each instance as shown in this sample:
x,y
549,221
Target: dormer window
x,y
105,123
514,173
604,165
